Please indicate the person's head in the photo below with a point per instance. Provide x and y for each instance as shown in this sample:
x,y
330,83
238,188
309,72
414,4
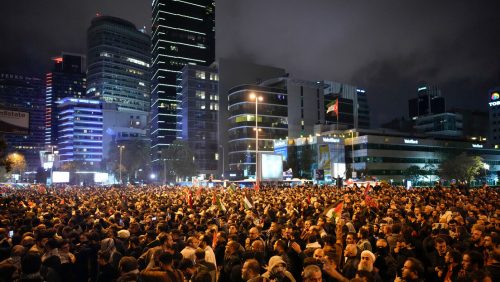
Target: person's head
x,y
363,233
200,255
232,247
477,233
103,257
166,260
318,254
412,269
440,245
452,256
31,263
367,260
258,246
276,265
472,260
233,229
128,264
351,238
490,240
188,267
351,250
250,269
166,240
253,233
193,242
279,246
312,273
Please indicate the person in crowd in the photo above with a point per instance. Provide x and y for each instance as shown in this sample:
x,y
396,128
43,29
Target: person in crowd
x,y
277,270
312,273
413,271
250,272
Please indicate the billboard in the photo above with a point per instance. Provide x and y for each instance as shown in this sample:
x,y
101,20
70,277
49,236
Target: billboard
x,y
101,177
14,122
60,177
271,167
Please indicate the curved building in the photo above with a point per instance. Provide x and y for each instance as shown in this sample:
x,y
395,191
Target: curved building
x,y
118,62
272,120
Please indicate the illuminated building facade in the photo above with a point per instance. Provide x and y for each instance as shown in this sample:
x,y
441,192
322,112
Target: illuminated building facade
x,y
182,34
66,79
198,114
80,131
118,56
494,109
25,94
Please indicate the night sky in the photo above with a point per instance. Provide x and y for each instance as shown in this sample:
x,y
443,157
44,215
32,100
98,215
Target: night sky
x,y
385,47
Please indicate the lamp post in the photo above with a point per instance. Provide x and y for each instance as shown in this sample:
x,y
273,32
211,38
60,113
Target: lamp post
x,y
164,171
352,153
223,168
253,96
121,147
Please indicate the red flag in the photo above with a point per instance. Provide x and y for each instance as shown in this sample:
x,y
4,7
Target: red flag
x,y
366,189
214,199
334,108
309,199
256,186
214,240
370,202
190,199
333,212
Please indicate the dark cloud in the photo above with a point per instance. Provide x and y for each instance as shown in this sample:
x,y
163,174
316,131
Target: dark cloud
x,y
384,46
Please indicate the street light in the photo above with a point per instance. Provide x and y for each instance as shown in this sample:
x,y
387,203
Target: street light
x,y
121,147
223,168
257,99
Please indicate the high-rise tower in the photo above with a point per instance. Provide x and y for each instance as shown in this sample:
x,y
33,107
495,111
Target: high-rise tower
x,y
66,79
182,33
118,57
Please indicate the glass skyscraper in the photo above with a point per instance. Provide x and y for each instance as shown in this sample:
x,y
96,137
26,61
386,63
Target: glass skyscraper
x,y
25,94
118,57
182,33
66,79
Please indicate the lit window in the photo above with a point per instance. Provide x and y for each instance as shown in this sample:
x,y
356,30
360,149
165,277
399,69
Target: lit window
x,y
214,76
200,74
200,94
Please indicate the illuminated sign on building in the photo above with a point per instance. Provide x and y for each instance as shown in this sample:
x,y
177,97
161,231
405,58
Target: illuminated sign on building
x,y
411,141
331,140
496,103
280,143
477,146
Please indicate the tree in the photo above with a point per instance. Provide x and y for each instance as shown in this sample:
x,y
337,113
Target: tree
x,y
429,170
413,173
5,165
135,157
461,167
17,162
180,159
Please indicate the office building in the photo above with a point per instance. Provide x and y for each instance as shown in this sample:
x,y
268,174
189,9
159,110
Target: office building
x,y
494,113
378,155
428,101
444,124
197,118
118,64
66,79
24,94
80,132
122,126
353,109
182,34
232,74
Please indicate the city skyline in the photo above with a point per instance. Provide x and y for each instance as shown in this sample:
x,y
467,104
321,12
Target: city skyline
x,y
385,48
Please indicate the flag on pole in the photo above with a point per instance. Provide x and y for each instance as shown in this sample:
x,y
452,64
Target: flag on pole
x,y
334,211
247,201
334,107
370,202
189,197
219,203
256,185
231,188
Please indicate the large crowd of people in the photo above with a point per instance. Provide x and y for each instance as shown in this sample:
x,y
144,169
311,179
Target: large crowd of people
x,y
302,233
